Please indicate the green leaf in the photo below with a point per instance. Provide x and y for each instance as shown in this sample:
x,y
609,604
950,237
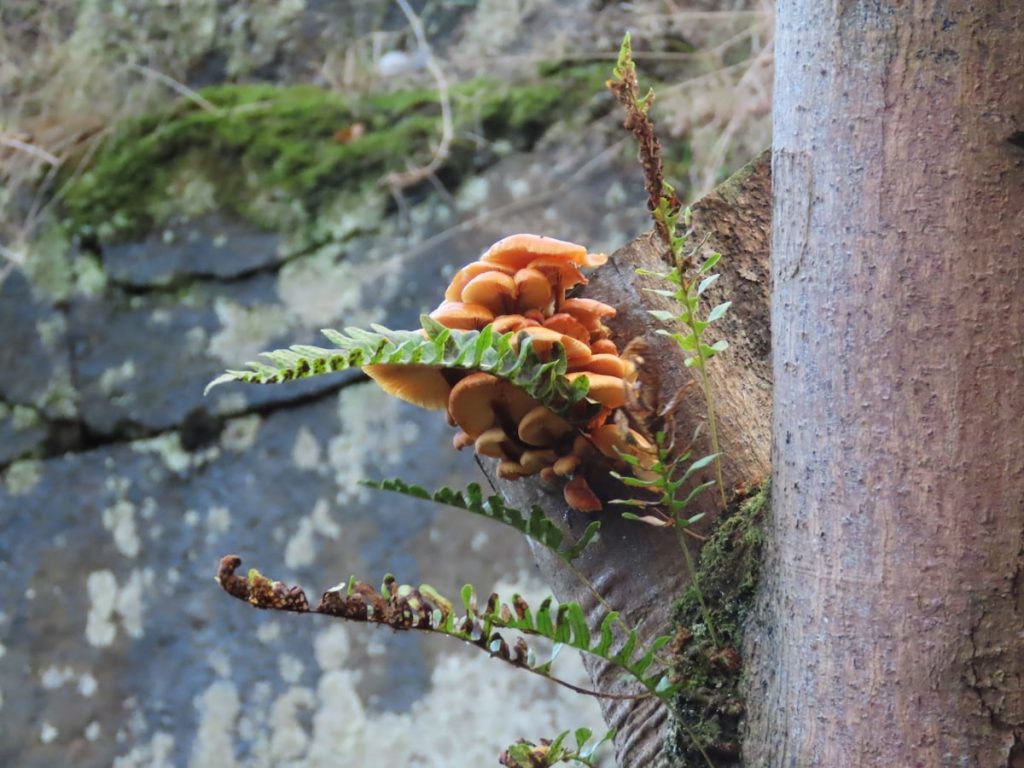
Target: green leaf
x,y
695,492
718,311
720,345
709,263
662,315
537,526
706,283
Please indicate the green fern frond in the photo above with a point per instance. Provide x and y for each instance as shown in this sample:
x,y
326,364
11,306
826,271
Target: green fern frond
x,y
536,526
404,607
483,350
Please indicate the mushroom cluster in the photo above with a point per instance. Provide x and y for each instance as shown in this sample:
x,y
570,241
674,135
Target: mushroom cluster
x,y
521,284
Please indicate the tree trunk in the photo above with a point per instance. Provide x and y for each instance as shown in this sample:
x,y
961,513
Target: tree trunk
x,y
639,570
890,625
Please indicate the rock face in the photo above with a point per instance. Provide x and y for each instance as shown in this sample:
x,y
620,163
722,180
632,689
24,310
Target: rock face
x,y
122,486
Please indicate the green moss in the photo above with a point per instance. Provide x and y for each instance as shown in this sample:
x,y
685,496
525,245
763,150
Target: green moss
x,y
710,707
275,155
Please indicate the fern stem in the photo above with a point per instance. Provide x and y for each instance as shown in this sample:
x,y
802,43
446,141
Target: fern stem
x,y
690,320
709,401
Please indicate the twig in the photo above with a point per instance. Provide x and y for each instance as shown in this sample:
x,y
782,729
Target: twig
x,y
399,180
179,88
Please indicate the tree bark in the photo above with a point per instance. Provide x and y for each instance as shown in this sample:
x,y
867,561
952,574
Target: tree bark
x,y
639,570
891,621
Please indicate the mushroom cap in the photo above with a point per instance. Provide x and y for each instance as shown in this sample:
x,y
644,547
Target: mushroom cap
x,y
536,460
517,251
579,495
481,401
545,338
609,391
564,274
534,288
588,311
509,323
542,427
607,365
565,465
421,385
604,347
569,325
460,316
494,290
613,441
467,273
492,442
511,470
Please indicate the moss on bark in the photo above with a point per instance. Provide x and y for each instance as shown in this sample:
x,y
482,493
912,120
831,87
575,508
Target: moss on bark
x,y
710,708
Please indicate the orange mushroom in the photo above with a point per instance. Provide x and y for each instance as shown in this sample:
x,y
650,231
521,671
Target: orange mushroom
x,y
544,339
580,496
467,273
569,325
609,391
542,427
463,317
420,385
494,290
481,401
534,288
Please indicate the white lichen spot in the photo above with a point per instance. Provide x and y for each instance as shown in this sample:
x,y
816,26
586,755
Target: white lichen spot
x,y
323,523
158,753
48,733
131,601
87,685
268,631
220,663
240,434
112,380
301,549
245,331
479,541
289,740
290,668
119,519
218,521
22,476
306,453
168,448
93,731
226,403
106,601
23,418
217,709
191,518
319,290
374,436
100,629
149,508
331,648
54,677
